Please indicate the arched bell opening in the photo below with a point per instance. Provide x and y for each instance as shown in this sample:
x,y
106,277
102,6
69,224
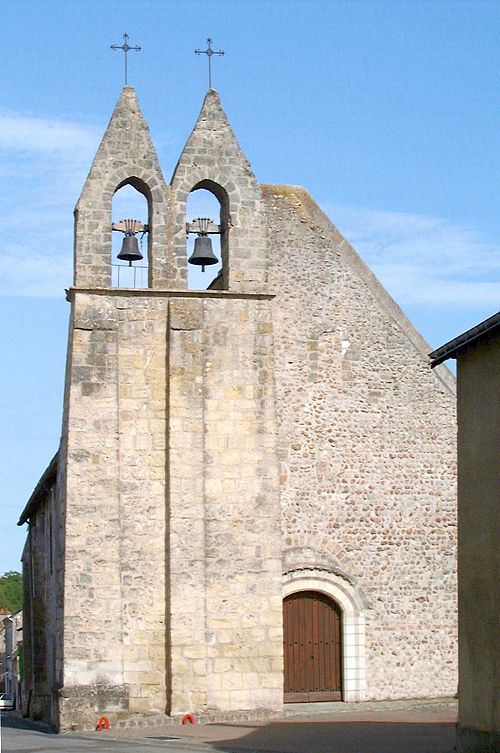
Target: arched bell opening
x,y
207,223
131,212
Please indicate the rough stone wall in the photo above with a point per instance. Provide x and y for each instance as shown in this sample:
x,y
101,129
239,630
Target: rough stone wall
x,y
367,443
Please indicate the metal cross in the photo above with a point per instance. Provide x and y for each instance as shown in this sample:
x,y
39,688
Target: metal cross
x,y
209,52
125,47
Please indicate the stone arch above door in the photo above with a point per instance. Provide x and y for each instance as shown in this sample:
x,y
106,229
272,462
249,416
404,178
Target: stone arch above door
x,y
353,606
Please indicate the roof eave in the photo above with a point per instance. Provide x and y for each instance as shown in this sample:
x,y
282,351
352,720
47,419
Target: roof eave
x,y
453,347
48,477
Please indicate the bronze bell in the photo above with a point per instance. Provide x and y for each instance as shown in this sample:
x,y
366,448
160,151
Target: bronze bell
x,y
203,255
130,250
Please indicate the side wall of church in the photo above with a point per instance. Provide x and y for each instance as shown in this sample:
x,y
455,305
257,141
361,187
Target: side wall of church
x,y
367,442
42,608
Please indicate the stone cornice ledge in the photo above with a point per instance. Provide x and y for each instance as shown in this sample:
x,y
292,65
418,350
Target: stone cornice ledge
x,y
152,293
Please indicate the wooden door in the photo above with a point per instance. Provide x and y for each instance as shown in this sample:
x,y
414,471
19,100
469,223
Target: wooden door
x,y
312,648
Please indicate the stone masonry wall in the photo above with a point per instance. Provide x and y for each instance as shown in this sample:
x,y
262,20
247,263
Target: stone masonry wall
x,y
225,568
114,621
225,571
367,443
173,571
157,382
178,406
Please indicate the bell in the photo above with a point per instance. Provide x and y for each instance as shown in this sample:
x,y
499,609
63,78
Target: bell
x,y
202,255
130,250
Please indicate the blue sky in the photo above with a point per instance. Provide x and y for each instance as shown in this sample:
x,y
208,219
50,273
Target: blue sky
x,y
387,112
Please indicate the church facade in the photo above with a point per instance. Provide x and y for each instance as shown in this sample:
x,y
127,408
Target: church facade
x,y
254,497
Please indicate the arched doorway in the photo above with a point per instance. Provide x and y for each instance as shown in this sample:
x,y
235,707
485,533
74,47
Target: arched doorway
x,y
312,629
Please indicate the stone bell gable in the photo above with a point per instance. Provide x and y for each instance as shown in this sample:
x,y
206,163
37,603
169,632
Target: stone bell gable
x,y
276,442
126,156
212,159
169,449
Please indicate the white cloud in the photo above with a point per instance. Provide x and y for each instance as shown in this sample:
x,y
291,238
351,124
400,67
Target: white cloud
x,y
43,164
39,274
423,260
21,133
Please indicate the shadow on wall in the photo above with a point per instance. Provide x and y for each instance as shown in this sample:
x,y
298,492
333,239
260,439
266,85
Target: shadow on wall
x,y
14,720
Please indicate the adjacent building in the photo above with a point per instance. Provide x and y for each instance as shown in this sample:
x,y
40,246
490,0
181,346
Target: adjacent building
x,y
477,353
11,658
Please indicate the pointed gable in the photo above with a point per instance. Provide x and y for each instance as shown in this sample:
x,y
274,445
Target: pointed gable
x,y
214,133
212,159
126,155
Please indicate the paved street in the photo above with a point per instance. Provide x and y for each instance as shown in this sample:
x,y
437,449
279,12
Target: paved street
x,y
389,727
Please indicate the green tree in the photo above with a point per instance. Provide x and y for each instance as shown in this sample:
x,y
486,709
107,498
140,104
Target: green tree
x,y
11,591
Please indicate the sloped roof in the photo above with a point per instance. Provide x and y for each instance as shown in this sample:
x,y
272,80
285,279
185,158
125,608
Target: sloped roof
x,y
46,482
453,347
